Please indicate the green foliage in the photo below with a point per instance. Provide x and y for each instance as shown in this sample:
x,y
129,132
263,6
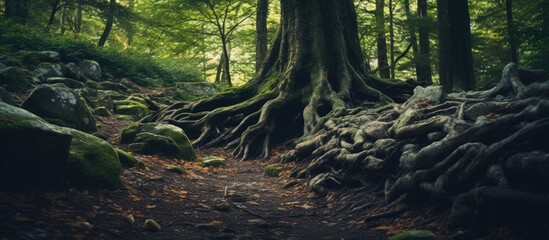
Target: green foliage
x,y
212,161
114,59
273,170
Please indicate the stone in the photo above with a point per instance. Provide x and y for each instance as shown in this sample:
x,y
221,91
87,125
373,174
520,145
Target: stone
x,y
94,163
151,225
102,111
415,235
132,106
212,161
107,85
158,138
60,105
175,169
527,167
91,70
198,88
71,83
126,159
6,97
47,70
74,71
15,79
273,170
33,152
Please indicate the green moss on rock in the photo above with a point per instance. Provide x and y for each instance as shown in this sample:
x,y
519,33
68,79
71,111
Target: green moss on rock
x,y
126,159
273,170
94,162
212,161
158,138
415,235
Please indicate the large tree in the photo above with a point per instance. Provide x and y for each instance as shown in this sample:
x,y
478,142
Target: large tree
x,y
313,71
455,55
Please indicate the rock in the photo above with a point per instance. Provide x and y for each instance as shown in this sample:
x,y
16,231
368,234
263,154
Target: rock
x,y
6,97
90,69
47,70
376,130
33,152
71,83
273,170
198,88
132,106
528,167
175,169
107,85
94,162
101,135
60,105
151,225
102,111
74,72
158,138
126,159
212,161
415,235
44,56
15,79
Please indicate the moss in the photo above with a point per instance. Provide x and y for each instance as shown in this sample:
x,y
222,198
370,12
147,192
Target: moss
x,y
183,95
129,133
148,143
152,138
273,170
270,85
126,159
212,161
95,163
175,169
415,235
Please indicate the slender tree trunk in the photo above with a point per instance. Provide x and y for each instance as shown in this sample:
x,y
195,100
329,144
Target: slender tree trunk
x,y
220,69
78,18
261,31
424,71
455,56
54,9
513,45
131,30
18,10
62,21
226,66
382,61
413,37
108,26
392,38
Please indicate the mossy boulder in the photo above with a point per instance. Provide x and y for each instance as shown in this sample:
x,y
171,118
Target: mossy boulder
x,y
47,70
126,159
102,111
71,83
108,85
158,138
60,105
33,152
90,70
198,89
212,161
94,164
6,97
273,170
132,106
415,235
15,79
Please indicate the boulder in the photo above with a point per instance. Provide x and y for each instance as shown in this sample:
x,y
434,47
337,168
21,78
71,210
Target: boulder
x,y
48,70
74,72
133,106
102,111
158,138
15,79
6,97
60,105
126,159
415,235
71,83
198,88
33,152
93,164
90,69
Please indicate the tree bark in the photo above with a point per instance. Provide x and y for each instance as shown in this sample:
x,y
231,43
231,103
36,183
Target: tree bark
x,y
392,38
78,17
382,60
18,10
513,46
131,27
54,9
413,37
314,70
261,31
108,26
424,72
455,55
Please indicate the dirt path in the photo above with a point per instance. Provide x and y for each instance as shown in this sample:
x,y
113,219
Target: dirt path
x,y
233,202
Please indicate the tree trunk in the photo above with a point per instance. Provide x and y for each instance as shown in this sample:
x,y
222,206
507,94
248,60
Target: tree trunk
x,y
131,30
54,8
78,18
261,31
413,37
220,69
108,26
314,70
226,64
455,56
511,32
392,38
382,61
17,10
423,60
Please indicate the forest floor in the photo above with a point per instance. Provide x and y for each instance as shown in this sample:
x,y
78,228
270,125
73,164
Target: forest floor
x,y
237,201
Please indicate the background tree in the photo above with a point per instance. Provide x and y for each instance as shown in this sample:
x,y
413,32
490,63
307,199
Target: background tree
x,y
262,13
455,55
423,58
513,54
108,25
382,60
